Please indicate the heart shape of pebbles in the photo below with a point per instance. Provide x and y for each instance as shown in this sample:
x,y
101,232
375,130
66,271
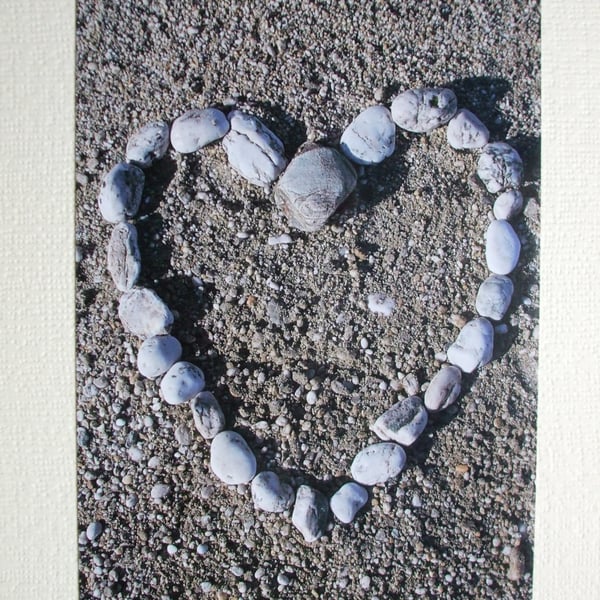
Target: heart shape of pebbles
x,y
308,190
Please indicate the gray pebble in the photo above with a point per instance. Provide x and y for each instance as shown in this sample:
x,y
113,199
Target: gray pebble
x,y
231,459
422,110
181,383
502,247
403,422
474,346
347,501
144,314
148,144
313,186
208,416
378,463
444,389
121,193
465,131
157,354
310,514
159,491
494,297
182,435
123,256
197,128
270,494
500,167
93,530
371,137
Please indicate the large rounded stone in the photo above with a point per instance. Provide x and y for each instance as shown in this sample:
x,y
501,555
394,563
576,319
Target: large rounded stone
x,y
494,296
121,193
500,167
231,459
197,128
123,256
148,144
311,512
443,389
422,110
473,347
378,463
502,247
403,423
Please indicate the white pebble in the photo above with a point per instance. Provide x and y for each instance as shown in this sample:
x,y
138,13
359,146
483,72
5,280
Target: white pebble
x,y
181,383
494,297
231,459
171,549
148,144
197,128
371,137
159,491
121,193
474,346
403,422
381,304
144,314
465,131
123,256
93,530
422,110
502,247
270,494
500,167
311,512
348,500
254,151
275,240
157,354
378,463
508,205
208,416
311,397
202,549
444,389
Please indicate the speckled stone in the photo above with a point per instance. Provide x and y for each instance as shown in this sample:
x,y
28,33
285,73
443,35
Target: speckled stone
x,y
270,494
144,314
121,193
148,144
123,256
508,205
208,415
500,167
422,110
157,354
310,514
474,346
466,132
403,423
444,389
181,383
494,297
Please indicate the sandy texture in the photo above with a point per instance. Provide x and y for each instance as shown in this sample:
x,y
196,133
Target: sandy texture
x,y
269,323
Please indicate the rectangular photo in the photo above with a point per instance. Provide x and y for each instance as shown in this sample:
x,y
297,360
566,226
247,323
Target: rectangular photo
x,y
307,298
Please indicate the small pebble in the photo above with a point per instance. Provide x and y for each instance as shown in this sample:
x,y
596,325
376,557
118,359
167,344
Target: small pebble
x,y
502,247
283,579
508,205
500,167
310,514
93,531
148,144
474,346
403,422
381,304
157,354
465,131
121,193
347,501
123,256
182,435
171,549
378,463
282,239
159,491
231,459
181,383
494,297
144,314
422,110
208,416
197,128
202,549
270,494
444,389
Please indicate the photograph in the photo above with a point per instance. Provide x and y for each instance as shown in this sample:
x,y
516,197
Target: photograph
x,y
307,291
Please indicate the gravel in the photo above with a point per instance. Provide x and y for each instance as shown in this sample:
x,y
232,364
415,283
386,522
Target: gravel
x,y
277,328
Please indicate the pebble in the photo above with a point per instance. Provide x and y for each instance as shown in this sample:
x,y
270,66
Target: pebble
x,y
403,422
410,383
516,564
157,354
202,549
474,346
275,240
123,256
381,304
508,205
347,501
208,416
148,144
313,186
181,383
502,247
444,389
465,131
494,297
378,463
144,314
270,494
253,151
121,193
197,128
422,110
283,579
500,167
311,512
231,460
371,137
93,531
182,435
159,491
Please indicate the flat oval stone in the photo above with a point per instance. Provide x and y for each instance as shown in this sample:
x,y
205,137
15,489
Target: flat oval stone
x,y
500,167
347,501
311,512
253,150
508,205
422,110
444,389
403,423
157,354
371,137
378,463
144,314
465,131
208,416
197,128
181,383
231,460
313,186
494,296
502,247
123,256
270,494
473,347
148,144
381,304
121,193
